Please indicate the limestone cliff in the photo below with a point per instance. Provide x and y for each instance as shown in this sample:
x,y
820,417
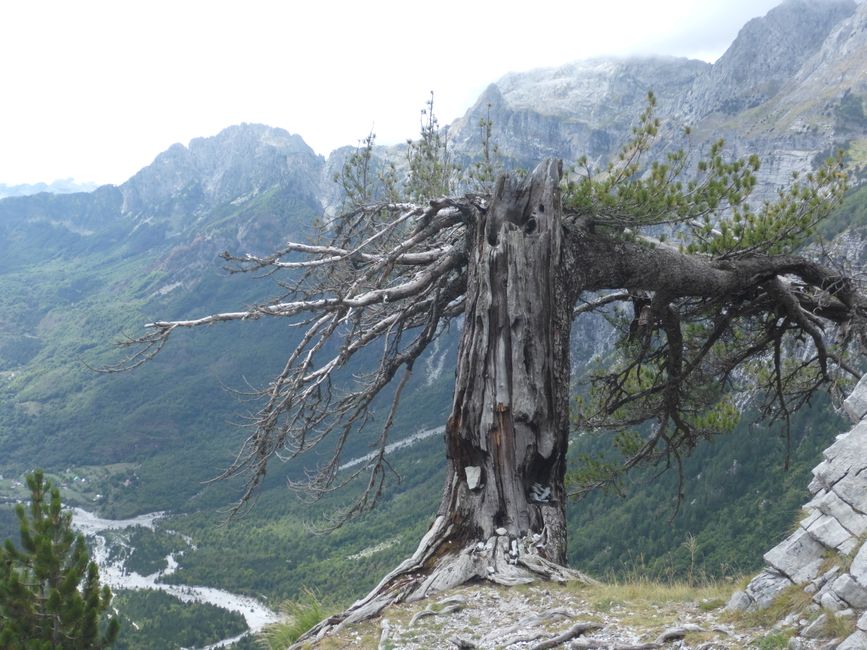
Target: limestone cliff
x,y
790,88
826,555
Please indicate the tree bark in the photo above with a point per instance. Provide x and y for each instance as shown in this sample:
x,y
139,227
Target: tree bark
x,y
502,514
507,435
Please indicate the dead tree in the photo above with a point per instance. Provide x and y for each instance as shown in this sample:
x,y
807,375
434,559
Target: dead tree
x,y
513,265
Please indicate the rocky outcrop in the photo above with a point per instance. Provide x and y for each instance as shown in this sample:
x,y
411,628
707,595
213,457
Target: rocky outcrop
x,y
831,78
583,108
240,190
766,54
827,555
238,163
790,88
551,615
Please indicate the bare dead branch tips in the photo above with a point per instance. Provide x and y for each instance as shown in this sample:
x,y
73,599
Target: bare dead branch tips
x,y
301,406
416,285
335,255
377,467
148,347
362,212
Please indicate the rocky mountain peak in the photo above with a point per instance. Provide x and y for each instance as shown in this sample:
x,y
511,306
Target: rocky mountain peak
x,y
840,59
767,52
241,160
584,107
790,88
591,88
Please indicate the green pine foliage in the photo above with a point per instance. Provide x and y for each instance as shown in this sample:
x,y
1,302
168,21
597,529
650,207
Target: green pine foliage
x,y
706,205
50,596
432,172
363,179
707,202
483,172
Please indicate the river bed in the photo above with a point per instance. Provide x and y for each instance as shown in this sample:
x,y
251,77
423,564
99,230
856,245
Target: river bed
x,y
115,575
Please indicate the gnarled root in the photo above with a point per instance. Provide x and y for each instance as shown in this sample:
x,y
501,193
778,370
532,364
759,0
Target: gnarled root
x,y
437,565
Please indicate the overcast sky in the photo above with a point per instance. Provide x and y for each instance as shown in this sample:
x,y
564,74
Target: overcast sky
x,y
95,90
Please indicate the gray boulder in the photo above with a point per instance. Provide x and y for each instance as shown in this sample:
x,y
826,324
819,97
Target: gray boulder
x,y
799,557
856,641
855,405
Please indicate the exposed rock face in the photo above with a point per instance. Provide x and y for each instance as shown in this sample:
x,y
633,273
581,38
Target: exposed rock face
x,y
766,54
856,405
833,71
584,108
489,617
790,88
239,162
827,554
230,191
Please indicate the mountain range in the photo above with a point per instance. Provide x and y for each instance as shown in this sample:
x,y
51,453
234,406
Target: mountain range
x,y
80,270
63,186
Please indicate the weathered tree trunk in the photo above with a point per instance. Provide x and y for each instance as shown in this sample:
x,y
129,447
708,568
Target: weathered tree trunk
x,y
502,515
507,434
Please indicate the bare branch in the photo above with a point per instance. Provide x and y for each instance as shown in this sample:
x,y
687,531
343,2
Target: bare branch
x,y
617,296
